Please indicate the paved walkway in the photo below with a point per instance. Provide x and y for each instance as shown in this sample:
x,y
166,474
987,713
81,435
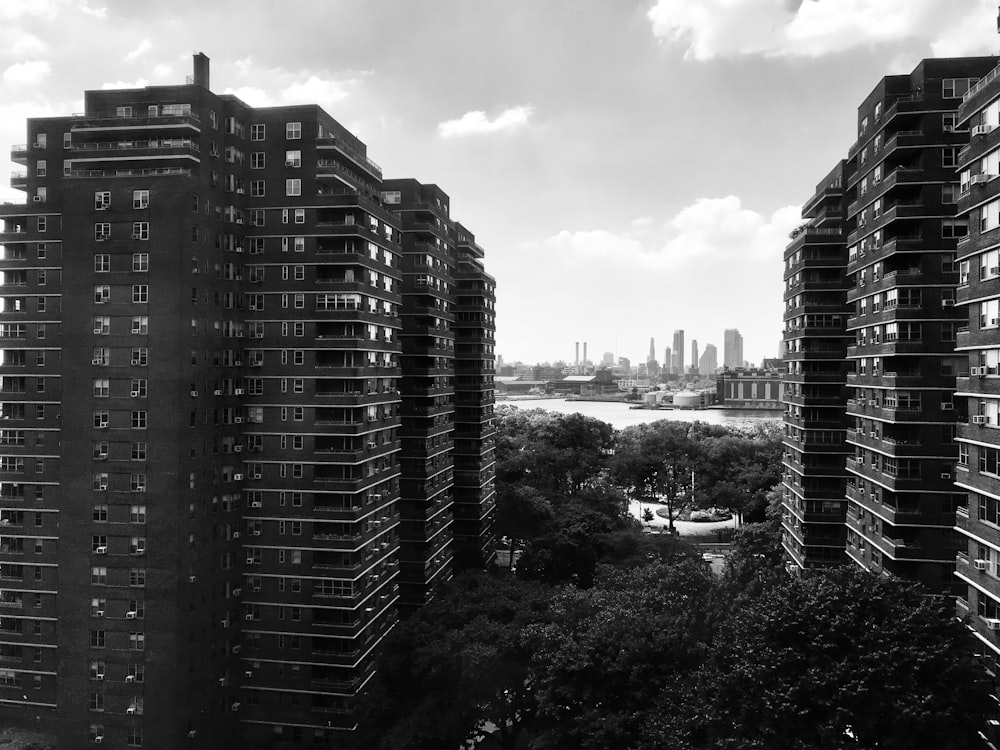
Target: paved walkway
x,y
684,528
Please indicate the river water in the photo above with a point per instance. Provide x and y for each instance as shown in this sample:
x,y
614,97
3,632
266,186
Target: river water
x,y
619,415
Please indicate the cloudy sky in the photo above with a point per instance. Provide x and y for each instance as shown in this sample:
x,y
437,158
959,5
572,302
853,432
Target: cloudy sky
x,y
630,166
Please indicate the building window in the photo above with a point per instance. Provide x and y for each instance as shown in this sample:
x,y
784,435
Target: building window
x,y
257,160
293,187
138,451
140,262
293,131
257,188
102,294
140,230
137,577
140,324
137,514
300,216
140,293
137,483
256,217
954,228
293,158
102,387
257,131
139,420
102,232
98,638
102,200
949,156
102,419
98,574
102,263
140,199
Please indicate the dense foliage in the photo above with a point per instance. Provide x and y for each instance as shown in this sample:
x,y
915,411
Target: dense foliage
x,y
607,637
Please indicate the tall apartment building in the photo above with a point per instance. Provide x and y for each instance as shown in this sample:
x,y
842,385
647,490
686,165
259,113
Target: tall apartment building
x,y
709,361
732,348
814,478
207,322
678,353
901,260
475,436
978,297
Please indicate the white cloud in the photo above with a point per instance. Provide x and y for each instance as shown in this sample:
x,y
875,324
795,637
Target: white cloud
x,y
28,72
708,229
17,43
477,123
144,46
47,9
276,86
316,90
162,71
136,84
813,28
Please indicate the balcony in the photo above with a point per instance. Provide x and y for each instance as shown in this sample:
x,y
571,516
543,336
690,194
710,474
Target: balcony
x,y
106,121
352,153
19,180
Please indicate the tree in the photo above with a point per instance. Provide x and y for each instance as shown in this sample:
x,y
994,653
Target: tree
x,y
654,462
842,659
610,654
738,469
456,668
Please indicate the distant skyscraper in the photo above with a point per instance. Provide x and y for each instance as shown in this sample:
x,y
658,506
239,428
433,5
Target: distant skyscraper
x,y
652,350
694,354
608,359
625,363
732,348
668,362
709,361
678,363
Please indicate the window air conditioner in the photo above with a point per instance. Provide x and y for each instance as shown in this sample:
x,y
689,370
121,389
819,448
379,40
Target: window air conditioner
x,y
236,648
136,362
979,419
945,475
372,444
238,448
239,391
249,561
993,624
236,535
236,706
135,394
102,550
376,498
255,532
99,613
249,618
99,739
947,406
131,615
289,163
37,198
98,361
948,302
256,589
973,371
239,248
237,592
136,236
237,477
238,420
130,678
194,393
130,710
980,564
979,179
256,504
99,676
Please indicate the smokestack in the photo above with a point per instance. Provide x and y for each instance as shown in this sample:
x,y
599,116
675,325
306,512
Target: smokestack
x,y
584,352
200,70
577,362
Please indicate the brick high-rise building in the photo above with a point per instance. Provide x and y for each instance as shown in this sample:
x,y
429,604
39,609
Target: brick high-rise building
x,y
901,263
208,318
814,503
978,369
